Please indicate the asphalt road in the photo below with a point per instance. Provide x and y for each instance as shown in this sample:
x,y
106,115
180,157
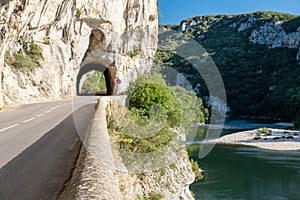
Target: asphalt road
x,y
39,145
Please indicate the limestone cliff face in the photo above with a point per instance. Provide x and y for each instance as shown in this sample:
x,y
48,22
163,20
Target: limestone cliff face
x,y
273,35
121,34
270,33
170,182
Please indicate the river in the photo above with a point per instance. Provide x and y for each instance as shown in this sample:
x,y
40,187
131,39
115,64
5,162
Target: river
x,y
238,173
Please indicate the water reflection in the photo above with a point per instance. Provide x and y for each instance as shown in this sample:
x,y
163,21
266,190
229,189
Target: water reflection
x,y
247,173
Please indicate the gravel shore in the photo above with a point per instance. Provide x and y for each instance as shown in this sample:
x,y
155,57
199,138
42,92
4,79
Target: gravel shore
x,y
279,139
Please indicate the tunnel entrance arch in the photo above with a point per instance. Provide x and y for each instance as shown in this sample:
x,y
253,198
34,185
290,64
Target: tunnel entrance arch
x,y
109,75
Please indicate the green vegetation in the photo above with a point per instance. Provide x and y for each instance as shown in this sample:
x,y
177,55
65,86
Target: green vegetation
x,y
25,59
295,107
144,128
151,196
140,144
136,4
78,13
264,131
95,83
169,26
259,81
46,40
257,137
154,108
192,108
152,17
291,25
151,94
196,170
135,52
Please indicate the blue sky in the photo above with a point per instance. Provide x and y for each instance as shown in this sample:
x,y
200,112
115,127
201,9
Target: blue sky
x,y
173,11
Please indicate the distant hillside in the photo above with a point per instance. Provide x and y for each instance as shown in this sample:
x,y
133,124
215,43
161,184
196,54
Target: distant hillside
x,y
258,57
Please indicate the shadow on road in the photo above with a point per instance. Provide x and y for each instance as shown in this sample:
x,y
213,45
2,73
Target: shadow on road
x,y
41,171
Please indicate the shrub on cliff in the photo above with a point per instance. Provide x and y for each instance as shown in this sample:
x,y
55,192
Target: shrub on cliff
x,y
196,169
25,58
154,107
192,110
151,94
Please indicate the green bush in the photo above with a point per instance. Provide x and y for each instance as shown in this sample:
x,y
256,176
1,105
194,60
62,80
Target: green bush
x,y
196,169
135,52
21,59
151,94
192,108
151,196
35,52
28,59
152,17
264,130
78,13
153,109
144,79
138,144
257,137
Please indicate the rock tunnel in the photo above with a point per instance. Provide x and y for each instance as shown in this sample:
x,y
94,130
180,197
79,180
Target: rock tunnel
x,y
109,73
91,63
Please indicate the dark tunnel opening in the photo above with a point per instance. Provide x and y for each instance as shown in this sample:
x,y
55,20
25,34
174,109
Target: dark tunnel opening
x,y
95,79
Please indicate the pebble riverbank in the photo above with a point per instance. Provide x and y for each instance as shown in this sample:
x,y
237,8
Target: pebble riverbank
x,y
279,139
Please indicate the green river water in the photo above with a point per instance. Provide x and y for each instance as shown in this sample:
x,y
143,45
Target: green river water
x,y
238,173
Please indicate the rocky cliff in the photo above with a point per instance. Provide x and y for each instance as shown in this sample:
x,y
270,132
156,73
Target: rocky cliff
x,y
44,42
266,28
165,173
169,182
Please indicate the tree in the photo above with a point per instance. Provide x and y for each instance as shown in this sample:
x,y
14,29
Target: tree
x,y
145,97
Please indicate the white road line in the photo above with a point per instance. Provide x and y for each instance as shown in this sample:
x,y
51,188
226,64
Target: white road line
x,y
48,111
28,120
41,115
12,126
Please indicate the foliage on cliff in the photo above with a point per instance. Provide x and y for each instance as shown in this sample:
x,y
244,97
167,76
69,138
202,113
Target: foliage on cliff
x,y
196,169
259,81
154,108
25,58
148,95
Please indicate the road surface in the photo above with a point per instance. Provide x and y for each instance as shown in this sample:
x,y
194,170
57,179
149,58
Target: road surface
x,y
39,145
